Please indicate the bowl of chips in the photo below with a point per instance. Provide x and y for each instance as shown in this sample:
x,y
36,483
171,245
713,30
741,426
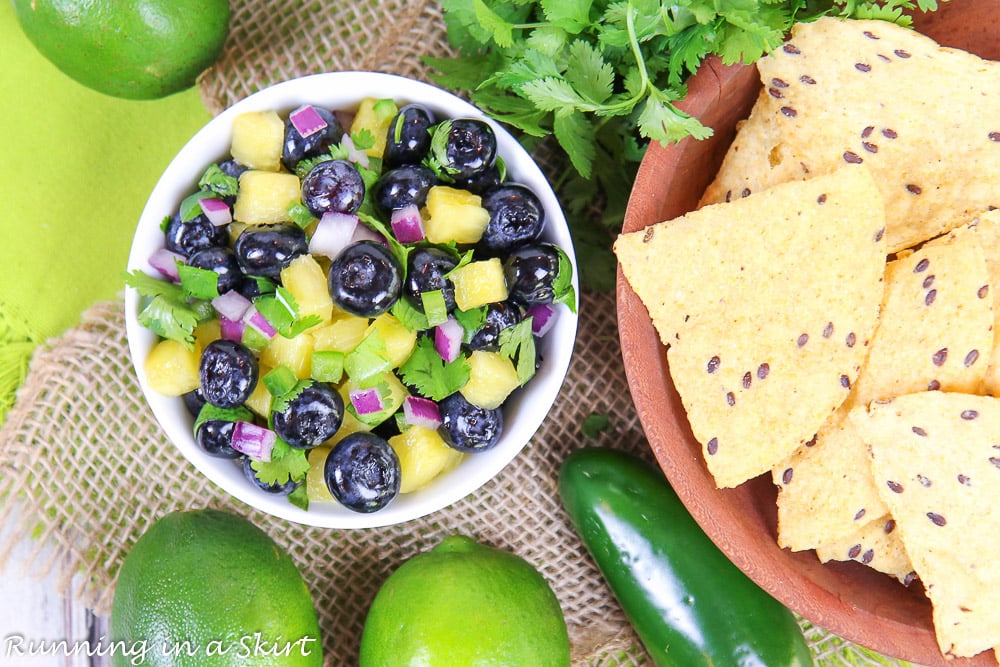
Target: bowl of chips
x,y
806,306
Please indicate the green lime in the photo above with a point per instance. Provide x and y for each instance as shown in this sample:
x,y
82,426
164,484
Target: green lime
x,y
465,604
208,588
138,49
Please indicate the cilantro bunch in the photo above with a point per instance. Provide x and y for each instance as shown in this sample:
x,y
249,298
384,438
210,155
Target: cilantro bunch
x,y
602,78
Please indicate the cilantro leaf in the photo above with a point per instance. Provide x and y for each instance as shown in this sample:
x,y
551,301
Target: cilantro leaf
x,y
167,311
562,284
600,79
300,497
517,343
431,375
219,182
471,320
198,283
286,464
408,316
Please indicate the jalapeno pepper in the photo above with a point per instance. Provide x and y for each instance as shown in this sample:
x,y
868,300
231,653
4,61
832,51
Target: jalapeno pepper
x,y
689,604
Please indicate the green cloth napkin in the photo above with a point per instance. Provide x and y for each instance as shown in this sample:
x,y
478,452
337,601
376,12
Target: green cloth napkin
x,y
76,169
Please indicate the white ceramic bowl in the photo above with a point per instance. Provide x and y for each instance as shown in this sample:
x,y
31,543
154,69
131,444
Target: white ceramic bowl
x,y
523,413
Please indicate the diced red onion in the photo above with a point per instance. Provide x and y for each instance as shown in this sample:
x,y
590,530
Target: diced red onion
x,y
334,232
543,317
232,305
448,339
420,411
216,210
307,121
253,319
165,261
366,401
407,225
255,441
353,153
231,329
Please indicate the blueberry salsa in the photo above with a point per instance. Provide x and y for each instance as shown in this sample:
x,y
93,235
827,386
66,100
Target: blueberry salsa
x,y
346,303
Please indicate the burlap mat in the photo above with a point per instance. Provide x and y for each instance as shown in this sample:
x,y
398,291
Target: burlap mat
x,y
85,469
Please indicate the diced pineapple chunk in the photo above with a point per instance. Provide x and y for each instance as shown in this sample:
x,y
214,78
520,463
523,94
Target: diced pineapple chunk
x,y
492,378
316,488
399,341
479,283
454,215
235,229
390,388
206,332
375,116
172,369
265,197
423,455
341,335
349,425
305,279
258,138
260,399
295,353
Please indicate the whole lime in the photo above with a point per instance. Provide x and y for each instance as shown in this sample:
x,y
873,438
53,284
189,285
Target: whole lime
x,y
137,49
465,604
208,588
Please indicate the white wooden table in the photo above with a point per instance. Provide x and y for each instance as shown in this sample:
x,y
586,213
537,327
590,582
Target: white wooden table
x,y
39,627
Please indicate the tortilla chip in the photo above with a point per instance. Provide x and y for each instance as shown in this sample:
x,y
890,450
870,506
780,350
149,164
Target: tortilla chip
x,y
986,228
925,119
937,465
934,332
877,545
825,489
936,326
767,304
762,254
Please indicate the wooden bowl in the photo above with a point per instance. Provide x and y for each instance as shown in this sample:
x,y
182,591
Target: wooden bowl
x,y
848,599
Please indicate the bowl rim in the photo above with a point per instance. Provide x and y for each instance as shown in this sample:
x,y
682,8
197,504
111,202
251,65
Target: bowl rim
x,y
646,368
344,90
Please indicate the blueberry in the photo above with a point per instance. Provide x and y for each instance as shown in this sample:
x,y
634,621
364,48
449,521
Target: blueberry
x,y
194,401
279,489
311,417
499,316
530,271
402,186
425,272
228,373
467,427
516,217
215,436
333,185
188,237
264,250
297,148
408,138
232,168
480,182
362,472
365,279
469,147
223,262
